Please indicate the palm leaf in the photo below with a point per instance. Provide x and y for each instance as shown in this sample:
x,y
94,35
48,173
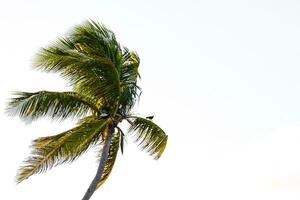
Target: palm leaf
x,y
96,39
128,77
89,39
60,58
57,105
113,151
89,58
92,76
149,136
65,147
100,83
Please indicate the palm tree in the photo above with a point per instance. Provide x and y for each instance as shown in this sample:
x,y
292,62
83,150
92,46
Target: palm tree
x,y
103,76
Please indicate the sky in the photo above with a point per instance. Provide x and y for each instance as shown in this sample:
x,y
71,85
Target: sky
x,y
220,77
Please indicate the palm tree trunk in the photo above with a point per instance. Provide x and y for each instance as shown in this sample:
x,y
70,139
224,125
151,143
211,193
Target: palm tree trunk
x,y
100,169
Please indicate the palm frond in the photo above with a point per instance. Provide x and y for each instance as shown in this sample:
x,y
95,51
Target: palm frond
x,y
59,56
128,78
98,84
113,151
150,136
57,105
90,75
65,147
89,58
95,38
89,39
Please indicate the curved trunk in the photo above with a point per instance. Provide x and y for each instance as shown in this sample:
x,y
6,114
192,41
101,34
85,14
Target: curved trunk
x,y
100,169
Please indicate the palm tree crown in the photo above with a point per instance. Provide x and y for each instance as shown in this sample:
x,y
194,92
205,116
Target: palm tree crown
x,y
103,76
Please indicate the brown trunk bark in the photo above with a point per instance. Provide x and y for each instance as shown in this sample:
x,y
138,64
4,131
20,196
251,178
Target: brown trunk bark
x,y
100,169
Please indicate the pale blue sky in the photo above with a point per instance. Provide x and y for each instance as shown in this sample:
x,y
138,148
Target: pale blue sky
x,y
221,77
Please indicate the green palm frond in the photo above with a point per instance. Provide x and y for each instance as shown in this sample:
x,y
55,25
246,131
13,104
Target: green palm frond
x,y
95,38
99,84
149,136
65,147
89,58
57,105
91,76
60,57
128,77
89,39
113,151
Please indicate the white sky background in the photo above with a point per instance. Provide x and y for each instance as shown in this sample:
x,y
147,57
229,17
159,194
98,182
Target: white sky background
x,y
221,78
